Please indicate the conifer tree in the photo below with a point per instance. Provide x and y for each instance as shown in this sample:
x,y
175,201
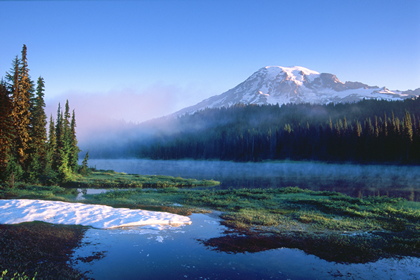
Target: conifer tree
x,y
50,151
62,144
6,129
25,148
84,168
37,155
58,139
21,88
408,127
74,149
66,120
26,88
61,159
358,130
66,129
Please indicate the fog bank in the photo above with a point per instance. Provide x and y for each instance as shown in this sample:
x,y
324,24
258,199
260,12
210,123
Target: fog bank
x,y
101,114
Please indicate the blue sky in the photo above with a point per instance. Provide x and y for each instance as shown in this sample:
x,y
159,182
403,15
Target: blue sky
x,y
144,59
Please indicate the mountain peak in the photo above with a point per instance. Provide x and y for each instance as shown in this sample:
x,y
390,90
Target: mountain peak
x,y
295,74
292,70
296,84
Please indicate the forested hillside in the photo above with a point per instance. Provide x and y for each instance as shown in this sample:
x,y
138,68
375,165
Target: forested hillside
x,y
367,131
27,153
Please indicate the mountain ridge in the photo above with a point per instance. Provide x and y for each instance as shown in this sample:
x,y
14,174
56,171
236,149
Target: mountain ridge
x,y
296,84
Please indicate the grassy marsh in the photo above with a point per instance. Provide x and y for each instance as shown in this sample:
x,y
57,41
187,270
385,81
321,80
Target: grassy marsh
x,y
111,179
292,208
289,208
330,225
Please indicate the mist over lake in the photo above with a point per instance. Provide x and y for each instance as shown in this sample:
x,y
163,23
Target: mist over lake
x,y
352,179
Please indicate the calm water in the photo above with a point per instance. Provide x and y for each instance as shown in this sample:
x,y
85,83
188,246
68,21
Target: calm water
x,y
182,253
354,180
178,253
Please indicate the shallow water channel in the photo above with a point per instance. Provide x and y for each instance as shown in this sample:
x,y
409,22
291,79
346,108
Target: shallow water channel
x,y
183,253
179,253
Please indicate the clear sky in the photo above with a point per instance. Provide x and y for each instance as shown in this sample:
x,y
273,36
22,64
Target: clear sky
x,y
144,59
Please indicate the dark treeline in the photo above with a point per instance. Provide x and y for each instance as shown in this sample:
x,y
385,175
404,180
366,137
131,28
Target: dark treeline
x,y
27,153
367,131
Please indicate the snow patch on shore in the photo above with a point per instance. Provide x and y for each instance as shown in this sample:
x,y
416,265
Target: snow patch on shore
x,y
16,211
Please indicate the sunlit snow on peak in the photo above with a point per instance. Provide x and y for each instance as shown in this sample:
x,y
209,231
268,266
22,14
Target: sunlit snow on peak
x,y
297,74
296,84
293,70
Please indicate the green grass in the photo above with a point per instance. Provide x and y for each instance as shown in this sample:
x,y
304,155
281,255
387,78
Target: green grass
x,y
330,225
110,179
312,210
167,199
38,192
372,227
291,208
5,275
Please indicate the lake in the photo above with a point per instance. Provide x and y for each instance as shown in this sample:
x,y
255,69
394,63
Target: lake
x,y
179,253
351,179
185,253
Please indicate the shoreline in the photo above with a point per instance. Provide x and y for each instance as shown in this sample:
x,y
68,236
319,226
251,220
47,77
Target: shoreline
x,y
330,225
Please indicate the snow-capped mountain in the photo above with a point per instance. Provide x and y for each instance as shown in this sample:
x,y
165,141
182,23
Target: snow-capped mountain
x,y
282,85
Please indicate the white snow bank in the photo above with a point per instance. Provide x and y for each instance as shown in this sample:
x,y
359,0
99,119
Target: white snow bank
x,y
17,211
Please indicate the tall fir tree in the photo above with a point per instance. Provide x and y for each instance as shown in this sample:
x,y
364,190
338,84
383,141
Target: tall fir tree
x,y
38,133
74,149
408,127
66,130
50,174
21,88
19,135
58,139
62,166
6,129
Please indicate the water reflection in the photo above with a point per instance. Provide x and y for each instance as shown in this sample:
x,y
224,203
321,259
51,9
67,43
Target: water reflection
x,y
207,250
352,248
86,191
354,180
182,253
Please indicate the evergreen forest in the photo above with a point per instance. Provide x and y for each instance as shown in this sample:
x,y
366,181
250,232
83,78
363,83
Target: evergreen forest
x,y
369,131
28,151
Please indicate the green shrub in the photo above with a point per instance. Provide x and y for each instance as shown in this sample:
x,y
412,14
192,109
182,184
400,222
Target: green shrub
x,y
15,276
